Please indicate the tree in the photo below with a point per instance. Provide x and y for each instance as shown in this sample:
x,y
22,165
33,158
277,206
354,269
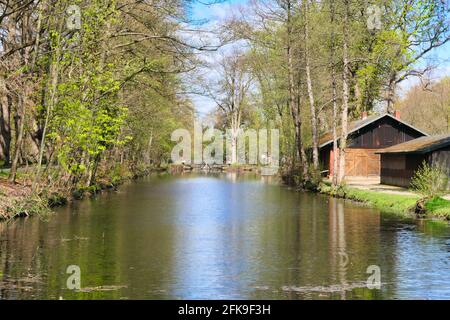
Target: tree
x,y
334,91
345,93
413,29
312,105
231,94
94,98
428,108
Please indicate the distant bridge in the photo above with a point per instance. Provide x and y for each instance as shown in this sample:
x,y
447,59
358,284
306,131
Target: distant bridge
x,y
204,167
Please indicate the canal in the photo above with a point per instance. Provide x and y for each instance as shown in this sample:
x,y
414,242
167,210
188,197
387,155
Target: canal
x,y
222,237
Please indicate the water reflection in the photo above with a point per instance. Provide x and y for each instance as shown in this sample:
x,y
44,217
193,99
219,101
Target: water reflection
x,y
221,236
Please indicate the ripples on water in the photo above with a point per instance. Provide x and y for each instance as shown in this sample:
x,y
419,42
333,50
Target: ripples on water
x,y
222,237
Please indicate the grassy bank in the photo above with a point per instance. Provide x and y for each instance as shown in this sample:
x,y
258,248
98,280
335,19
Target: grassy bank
x,y
400,204
19,200
439,208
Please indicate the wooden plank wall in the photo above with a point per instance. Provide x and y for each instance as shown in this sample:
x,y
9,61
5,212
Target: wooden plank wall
x,y
398,169
362,163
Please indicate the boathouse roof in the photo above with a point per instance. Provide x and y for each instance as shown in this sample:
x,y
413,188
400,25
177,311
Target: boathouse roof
x,y
356,125
420,145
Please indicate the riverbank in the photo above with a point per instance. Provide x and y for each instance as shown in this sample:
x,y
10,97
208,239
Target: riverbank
x,y
19,200
408,204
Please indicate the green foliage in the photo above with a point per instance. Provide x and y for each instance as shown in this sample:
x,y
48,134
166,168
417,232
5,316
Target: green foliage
x,y
314,179
56,199
334,191
430,181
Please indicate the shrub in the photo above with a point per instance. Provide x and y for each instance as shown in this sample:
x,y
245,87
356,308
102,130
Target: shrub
x,y
335,191
430,181
315,178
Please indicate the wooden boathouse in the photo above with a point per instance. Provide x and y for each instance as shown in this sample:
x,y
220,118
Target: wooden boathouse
x,y
365,138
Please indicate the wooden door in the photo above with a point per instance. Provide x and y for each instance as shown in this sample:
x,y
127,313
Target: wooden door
x,y
362,163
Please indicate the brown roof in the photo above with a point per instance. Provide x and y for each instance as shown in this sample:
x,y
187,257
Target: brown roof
x,y
356,125
420,145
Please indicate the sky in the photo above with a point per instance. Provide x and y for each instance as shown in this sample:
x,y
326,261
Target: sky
x,y
220,11
216,11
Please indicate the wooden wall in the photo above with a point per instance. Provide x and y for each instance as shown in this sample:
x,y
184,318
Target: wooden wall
x,y
362,163
398,169
441,157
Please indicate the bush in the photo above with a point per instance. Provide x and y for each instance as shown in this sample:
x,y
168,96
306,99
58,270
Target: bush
x,y
314,181
430,181
334,191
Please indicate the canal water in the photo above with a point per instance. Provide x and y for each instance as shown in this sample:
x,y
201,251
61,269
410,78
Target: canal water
x,y
222,237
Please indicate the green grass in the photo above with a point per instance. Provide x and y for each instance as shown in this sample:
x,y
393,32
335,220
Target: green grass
x,y
394,203
401,204
438,207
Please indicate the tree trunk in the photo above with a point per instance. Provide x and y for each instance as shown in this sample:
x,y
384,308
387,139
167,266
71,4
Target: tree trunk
x,y
346,93
293,106
234,138
149,149
93,171
20,133
334,93
391,95
5,123
22,105
315,149
5,94
54,76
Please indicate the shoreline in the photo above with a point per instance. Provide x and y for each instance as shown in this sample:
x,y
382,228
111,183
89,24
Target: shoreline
x,y
18,201
412,206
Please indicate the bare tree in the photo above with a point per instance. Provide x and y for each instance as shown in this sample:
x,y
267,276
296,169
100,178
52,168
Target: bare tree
x,y
231,92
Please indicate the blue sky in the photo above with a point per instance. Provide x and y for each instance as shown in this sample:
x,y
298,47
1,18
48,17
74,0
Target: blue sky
x,y
214,11
217,12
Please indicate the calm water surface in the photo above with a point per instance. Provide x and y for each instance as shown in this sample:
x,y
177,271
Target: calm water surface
x,y
222,237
